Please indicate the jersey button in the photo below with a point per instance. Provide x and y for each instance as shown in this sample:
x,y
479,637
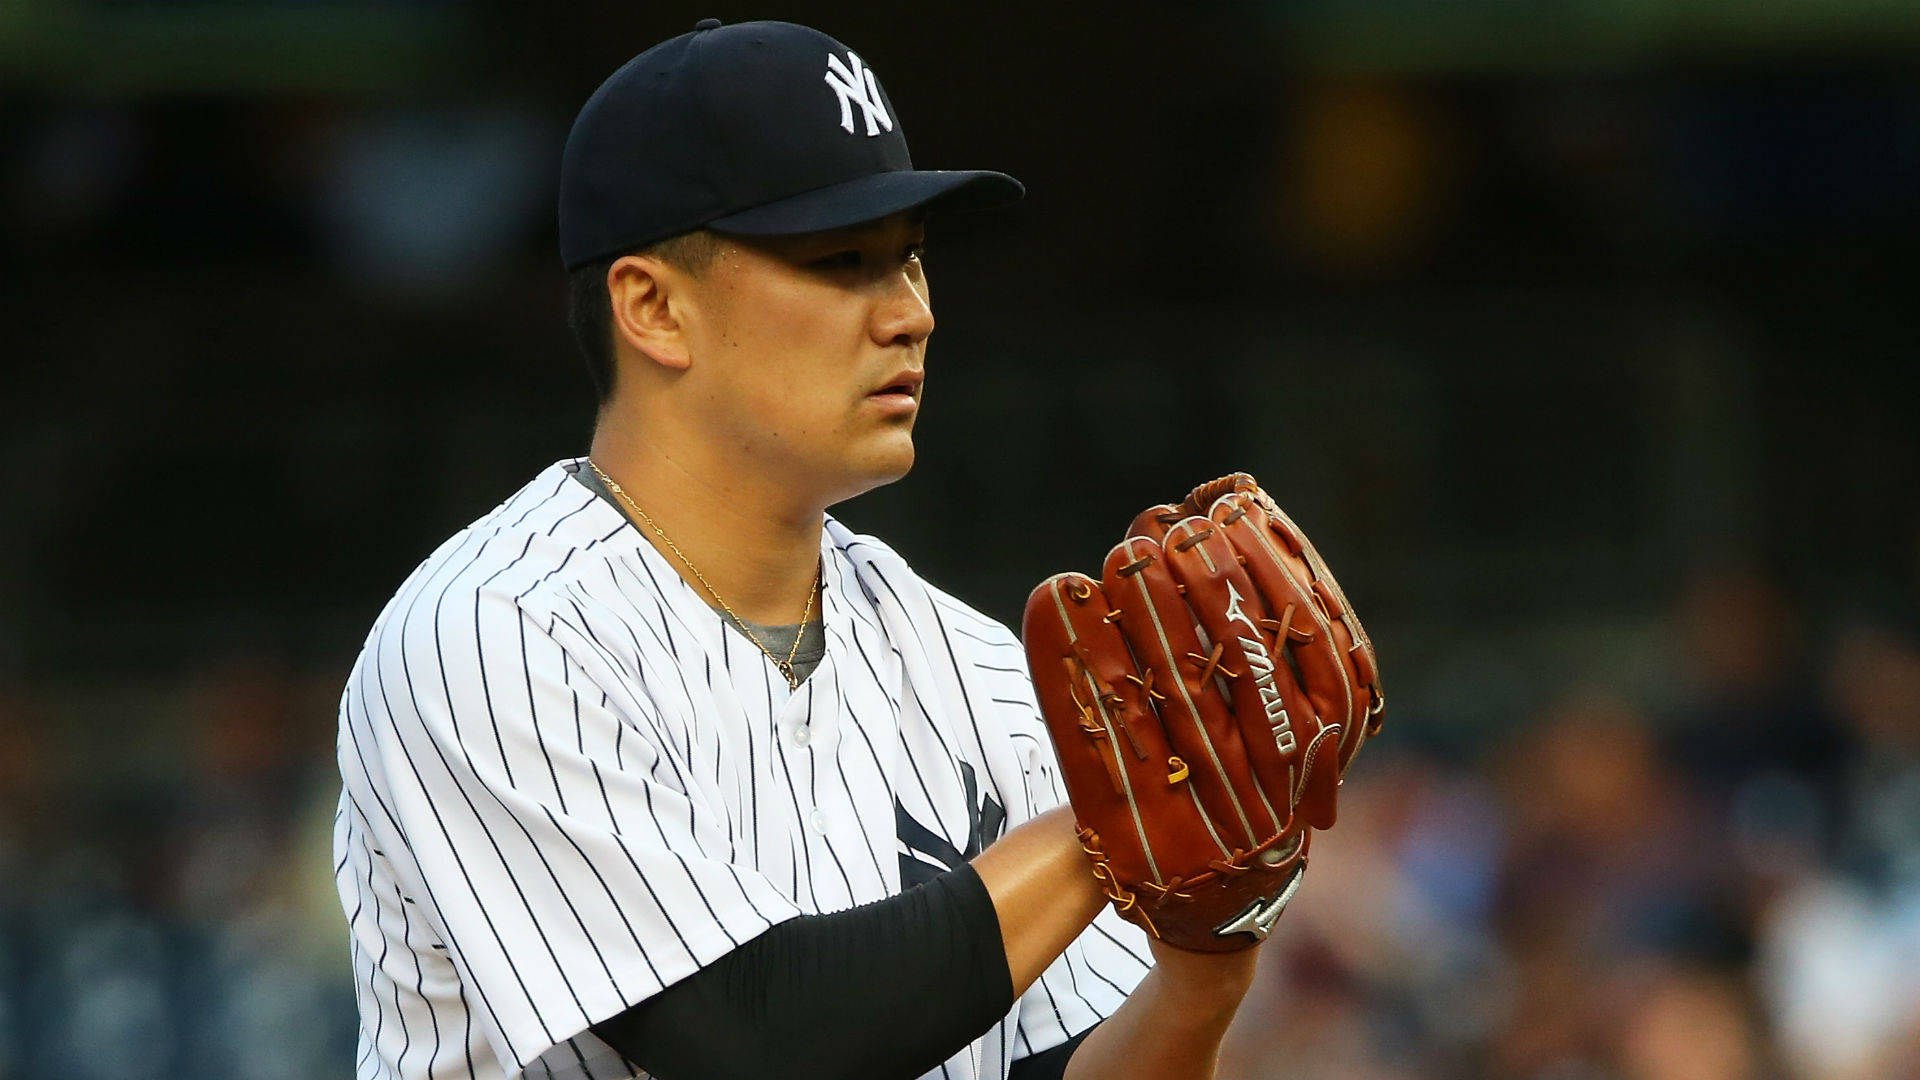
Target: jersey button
x,y
818,820
802,734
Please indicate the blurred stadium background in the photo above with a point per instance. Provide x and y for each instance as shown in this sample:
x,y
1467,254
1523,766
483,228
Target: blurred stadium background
x,y
1582,335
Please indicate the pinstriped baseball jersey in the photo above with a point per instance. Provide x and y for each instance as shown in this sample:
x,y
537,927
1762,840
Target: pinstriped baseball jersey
x,y
567,784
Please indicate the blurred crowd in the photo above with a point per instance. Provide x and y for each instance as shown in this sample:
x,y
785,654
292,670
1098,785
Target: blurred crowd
x,y
1725,886
1717,881
1522,339
166,901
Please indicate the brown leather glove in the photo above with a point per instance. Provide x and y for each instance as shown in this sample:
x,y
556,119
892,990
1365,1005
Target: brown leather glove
x,y
1205,696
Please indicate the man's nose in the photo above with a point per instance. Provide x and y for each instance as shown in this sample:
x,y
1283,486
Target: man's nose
x,y
905,314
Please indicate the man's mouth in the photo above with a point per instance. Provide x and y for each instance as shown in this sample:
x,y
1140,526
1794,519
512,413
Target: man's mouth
x,y
905,385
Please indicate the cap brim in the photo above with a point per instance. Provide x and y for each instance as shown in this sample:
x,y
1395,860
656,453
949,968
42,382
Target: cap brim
x,y
868,198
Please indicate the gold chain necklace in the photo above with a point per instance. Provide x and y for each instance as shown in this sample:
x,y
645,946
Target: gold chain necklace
x,y
785,666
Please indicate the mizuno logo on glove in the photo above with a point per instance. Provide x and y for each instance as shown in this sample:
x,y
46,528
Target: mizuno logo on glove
x,y
1260,916
1260,661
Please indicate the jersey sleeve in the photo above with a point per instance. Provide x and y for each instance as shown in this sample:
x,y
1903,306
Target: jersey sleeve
x,y
539,823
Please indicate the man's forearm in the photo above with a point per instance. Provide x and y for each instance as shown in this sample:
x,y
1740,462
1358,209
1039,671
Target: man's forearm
x,y
1171,1025
1042,892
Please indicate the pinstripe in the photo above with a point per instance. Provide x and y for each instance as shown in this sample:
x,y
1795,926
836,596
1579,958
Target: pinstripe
x,y
479,651
1053,1004
1095,972
526,668
714,916
563,873
654,721
480,659
725,819
447,834
406,931
966,701
559,486
584,503
1144,962
753,767
879,872
932,725
813,796
799,815
1073,983
686,751
966,633
379,965
426,890
637,873
853,642
366,1055
564,560
380,680
665,632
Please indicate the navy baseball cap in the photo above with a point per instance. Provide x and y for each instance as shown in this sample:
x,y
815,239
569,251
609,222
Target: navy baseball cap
x,y
757,128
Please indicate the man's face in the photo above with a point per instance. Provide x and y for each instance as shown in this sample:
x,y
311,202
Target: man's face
x,y
807,353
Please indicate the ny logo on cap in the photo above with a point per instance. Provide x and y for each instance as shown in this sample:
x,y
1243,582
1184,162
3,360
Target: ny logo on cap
x,y
854,84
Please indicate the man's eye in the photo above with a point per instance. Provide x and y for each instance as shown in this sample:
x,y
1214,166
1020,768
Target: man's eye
x,y
852,259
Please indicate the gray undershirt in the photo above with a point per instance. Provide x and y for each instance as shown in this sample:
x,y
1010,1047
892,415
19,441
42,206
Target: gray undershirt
x,y
779,640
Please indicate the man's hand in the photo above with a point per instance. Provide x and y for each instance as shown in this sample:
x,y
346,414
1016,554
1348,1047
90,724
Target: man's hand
x,y
1171,1026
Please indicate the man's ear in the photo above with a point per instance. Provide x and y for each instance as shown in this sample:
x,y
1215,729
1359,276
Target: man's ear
x,y
648,298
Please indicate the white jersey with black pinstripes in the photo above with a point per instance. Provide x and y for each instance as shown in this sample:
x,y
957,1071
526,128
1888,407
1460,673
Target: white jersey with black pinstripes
x,y
567,784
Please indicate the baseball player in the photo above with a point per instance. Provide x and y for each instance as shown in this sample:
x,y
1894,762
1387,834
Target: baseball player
x,y
659,769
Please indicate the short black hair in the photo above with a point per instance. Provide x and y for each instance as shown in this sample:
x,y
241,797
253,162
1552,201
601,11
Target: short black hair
x,y
590,308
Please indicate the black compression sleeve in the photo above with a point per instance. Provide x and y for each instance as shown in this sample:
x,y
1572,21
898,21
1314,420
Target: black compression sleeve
x,y
1048,1064
887,990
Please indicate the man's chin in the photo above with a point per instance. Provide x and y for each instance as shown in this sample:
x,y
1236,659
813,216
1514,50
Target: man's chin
x,y
879,470
892,467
